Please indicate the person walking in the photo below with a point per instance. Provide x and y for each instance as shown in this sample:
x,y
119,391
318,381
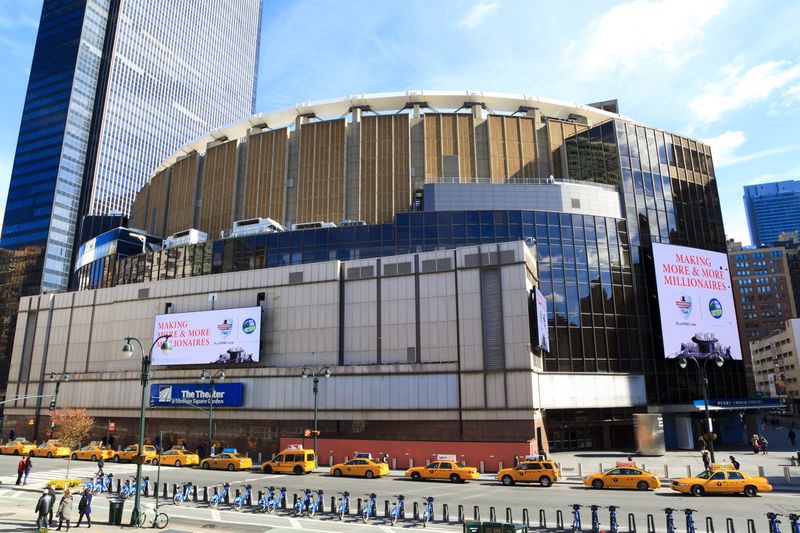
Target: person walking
x,y
702,442
762,444
706,459
100,465
52,492
65,510
792,437
734,462
754,442
213,451
28,466
85,508
43,509
20,470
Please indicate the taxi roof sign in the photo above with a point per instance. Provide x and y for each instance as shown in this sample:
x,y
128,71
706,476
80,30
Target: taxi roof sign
x,y
229,450
445,457
294,447
362,455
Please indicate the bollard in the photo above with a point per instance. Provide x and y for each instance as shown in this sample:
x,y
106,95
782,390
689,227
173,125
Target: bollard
x,y
333,504
666,471
358,507
482,465
631,523
751,526
119,486
509,519
688,470
294,502
525,518
559,519
283,502
461,517
394,463
249,501
165,492
476,513
146,488
445,513
259,458
600,466
729,525
651,524
260,495
580,470
499,465
787,478
709,525
174,489
205,494
411,462
492,516
227,497
416,511
386,508
194,493
761,471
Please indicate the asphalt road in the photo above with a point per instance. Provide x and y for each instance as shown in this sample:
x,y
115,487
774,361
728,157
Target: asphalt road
x,y
484,492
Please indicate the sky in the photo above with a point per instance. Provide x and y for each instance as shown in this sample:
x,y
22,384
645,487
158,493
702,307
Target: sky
x,y
723,72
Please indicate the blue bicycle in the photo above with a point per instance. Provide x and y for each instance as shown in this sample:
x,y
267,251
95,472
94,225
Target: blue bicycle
x,y
370,509
690,520
270,503
427,514
243,498
183,495
315,505
794,518
302,503
576,518
219,497
398,509
128,490
773,522
612,517
344,505
103,484
595,519
670,522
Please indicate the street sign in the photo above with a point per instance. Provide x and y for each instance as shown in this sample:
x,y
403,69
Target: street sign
x,y
306,432
112,426
138,459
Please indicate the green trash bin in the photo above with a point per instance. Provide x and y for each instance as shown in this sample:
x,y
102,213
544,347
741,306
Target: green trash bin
x,y
115,507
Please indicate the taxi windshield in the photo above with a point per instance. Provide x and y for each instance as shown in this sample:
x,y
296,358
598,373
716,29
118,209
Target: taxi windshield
x,y
705,475
459,465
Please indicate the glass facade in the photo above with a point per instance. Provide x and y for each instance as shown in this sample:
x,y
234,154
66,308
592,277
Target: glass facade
x,y
772,209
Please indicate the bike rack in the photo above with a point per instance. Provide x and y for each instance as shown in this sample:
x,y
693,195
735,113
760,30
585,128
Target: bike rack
x,y
559,519
294,502
386,508
709,525
542,519
492,516
525,518
751,526
416,511
358,507
729,525
631,523
250,500
461,517
194,493
166,491
119,486
174,489
651,523
445,513
333,504
146,488
509,519
260,495
476,513
205,494
227,496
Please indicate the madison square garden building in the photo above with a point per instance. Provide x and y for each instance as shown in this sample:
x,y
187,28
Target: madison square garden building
x,y
452,212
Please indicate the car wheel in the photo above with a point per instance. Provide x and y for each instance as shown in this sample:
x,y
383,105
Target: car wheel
x,y
155,462
696,490
267,469
16,452
94,458
544,481
597,484
507,481
49,455
206,466
642,485
369,474
178,463
455,478
337,473
74,457
298,470
116,458
416,476
231,468
750,490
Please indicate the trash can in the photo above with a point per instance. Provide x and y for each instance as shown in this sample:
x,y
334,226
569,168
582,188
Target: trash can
x,y
115,506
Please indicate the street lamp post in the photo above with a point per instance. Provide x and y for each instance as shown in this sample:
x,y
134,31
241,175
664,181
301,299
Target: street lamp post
x,y
205,375
308,372
683,362
127,350
57,378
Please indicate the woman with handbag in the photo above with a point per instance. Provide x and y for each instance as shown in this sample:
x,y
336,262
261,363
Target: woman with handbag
x,y
65,510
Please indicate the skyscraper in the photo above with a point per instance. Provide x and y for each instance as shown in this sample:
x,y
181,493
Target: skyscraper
x,y
772,209
106,75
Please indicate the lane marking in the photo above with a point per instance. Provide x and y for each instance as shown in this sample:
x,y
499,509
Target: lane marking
x,y
295,523
215,516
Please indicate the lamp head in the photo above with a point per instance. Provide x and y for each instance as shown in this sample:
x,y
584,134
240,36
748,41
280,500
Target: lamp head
x,y
127,350
306,372
719,361
204,375
65,377
221,375
52,376
166,346
683,362
327,372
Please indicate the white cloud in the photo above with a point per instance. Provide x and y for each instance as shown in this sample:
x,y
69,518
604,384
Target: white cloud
x,y
629,36
757,155
478,14
724,145
739,88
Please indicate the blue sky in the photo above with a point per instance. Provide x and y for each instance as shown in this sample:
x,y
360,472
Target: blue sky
x,y
721,71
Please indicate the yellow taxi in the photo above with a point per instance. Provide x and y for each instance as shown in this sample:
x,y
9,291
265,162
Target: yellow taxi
x,y
51,448
623,477
293,459
178,457
721,480
545,473
20,446
131,451
368,468
93,452
227,461
447,469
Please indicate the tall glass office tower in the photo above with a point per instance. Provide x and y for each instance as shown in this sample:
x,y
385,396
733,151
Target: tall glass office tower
x,y
115,87
772,209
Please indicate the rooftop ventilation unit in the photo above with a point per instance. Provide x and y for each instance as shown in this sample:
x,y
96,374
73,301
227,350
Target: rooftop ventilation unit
x,y
185,237
313,225
255,226
347,223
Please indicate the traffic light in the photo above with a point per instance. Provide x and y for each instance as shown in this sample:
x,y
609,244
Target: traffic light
x,y
52,403
52,425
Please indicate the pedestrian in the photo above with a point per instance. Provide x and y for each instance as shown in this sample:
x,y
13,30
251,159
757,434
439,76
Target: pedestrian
x,y
706,459
386,458
201,451
754,442
213,450
111,442
762,444
734,462
65,510
20,470
100,465
793,437
43,509
158,443
85,508
702,442
543,454
52,492
11,435
28,466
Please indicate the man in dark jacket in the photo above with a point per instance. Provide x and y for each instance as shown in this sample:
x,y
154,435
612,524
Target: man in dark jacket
x,y
43,508
85,508
51,491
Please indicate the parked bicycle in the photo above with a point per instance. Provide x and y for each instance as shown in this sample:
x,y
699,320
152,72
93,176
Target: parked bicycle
x,y
595,519
102,484
398,509
128,490
316,505
243,498
302,502
670,522
576,518
344,505
152,515
273,503
183,495
427,513
219,497
690,520
773,522
612,517
793,518
370,509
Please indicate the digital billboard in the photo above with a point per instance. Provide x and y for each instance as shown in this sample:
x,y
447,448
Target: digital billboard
x,y
226,336
542,334
695,300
